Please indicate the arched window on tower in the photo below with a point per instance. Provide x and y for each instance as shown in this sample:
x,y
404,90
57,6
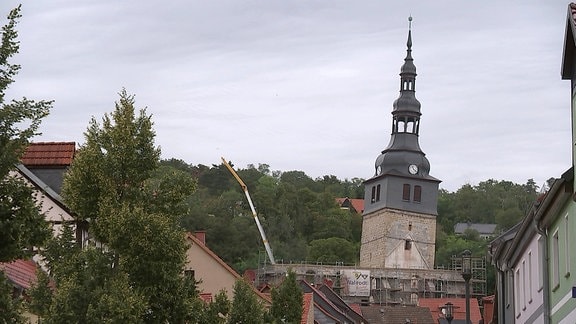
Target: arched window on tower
x,y
378,193
373,198
408,85
401,125
406,192
417,193
410,126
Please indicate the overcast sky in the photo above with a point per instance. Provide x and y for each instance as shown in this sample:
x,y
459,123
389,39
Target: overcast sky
x,y
309,85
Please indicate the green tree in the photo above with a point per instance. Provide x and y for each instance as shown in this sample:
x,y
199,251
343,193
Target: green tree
x,y
287,300
246,308
333,250
22,225
134,206
40,295
217,311
11,309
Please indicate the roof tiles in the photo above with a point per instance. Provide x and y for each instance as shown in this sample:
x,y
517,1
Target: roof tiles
x,y
49,154
20,272
435,305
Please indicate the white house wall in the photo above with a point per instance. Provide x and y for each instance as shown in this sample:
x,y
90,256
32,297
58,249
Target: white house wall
x,y
528,292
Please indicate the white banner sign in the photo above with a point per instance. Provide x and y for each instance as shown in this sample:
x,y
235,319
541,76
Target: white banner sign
x,y
356,282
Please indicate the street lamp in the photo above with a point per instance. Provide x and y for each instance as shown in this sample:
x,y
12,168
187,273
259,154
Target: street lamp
x,y
467,275
449,312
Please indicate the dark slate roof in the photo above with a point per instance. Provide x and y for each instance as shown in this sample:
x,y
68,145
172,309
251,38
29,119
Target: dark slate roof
x,y
569,43
41,185
397,314
489,229
324,307
341,304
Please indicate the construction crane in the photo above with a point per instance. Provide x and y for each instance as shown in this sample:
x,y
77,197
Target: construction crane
x,y
245,189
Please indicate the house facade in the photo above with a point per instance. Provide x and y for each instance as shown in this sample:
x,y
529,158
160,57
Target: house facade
x,y
212,272
535,264
556,222
518,256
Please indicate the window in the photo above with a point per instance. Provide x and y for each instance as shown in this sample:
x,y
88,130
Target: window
x,y
555,261
417,193
407,245
529,277
523,284
518,284
378,193
373,198
541,264
566,252
509,288
410,127
406,192
189,273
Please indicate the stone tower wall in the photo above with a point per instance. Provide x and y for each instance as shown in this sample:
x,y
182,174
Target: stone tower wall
x,y
385,231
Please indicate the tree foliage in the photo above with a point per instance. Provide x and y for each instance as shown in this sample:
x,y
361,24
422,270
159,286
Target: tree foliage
x,y
287,301
134,207
246,308
11,309
333,250
21,223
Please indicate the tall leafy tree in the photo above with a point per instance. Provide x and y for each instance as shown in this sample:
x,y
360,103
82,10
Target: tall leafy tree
x,y
134,207
217,311
287,301
245,307
22,225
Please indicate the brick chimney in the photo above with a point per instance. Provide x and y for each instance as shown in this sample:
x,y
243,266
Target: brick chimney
x,y
201,236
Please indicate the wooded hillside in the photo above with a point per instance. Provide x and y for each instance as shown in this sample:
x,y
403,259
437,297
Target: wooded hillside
x,y
303,222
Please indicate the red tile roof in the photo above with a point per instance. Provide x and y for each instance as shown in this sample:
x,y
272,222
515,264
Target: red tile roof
x,y
49,154
306,305
356,204
375,313
20,272
435,305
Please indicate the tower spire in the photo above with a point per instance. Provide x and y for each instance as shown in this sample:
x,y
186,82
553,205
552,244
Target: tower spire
x,y
402,197
403,154
409,43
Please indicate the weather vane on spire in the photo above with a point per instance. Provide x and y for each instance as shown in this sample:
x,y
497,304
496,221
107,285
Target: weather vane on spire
x,y
410,22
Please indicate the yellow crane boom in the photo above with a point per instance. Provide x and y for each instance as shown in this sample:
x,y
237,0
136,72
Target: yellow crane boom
x,y
245,189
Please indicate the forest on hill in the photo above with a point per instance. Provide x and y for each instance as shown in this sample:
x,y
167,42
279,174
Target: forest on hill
x,y
303,222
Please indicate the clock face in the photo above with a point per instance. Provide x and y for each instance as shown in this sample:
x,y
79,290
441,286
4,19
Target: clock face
x,y
413,168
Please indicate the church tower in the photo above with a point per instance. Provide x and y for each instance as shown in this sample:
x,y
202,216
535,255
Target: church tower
x,y
400,200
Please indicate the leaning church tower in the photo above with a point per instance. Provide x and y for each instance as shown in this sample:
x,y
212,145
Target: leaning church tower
x,y
400,200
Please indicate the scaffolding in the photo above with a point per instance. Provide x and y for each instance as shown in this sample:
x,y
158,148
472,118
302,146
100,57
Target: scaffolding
x,y
478,285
